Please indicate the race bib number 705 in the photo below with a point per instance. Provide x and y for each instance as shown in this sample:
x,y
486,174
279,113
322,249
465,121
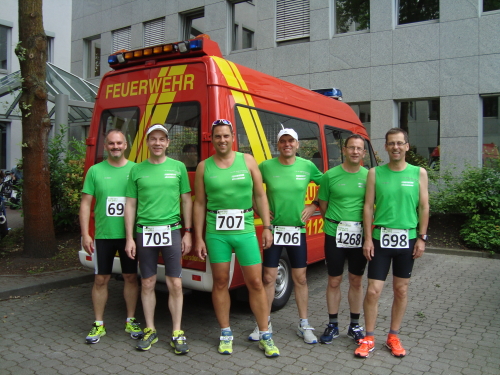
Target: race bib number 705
x,y
159,235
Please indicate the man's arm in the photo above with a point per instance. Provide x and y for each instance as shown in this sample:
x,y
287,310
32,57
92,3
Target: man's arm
x,y
260,199
423,213
368,249
309,210
87,240
187,212
199,211
130,211
323,207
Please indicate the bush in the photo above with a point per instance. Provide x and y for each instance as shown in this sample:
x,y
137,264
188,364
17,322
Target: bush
x,y
475,193
66,179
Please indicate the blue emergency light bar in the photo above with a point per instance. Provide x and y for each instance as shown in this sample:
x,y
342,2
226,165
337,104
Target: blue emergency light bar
x,y
332,93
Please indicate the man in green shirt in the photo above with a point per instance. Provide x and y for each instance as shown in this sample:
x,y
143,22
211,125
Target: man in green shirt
x,y
106,182
341,199
286,178
153,211
399,192
224,186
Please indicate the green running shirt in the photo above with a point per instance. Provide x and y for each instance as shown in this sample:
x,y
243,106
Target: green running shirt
x,y
345,194
157,188
397,199
103,181
228,188
286,188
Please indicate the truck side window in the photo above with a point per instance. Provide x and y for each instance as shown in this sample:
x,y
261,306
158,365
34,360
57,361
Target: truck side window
x,y
334,143
257,131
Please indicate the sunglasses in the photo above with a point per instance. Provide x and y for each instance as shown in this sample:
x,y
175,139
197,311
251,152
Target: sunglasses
x,y
222,122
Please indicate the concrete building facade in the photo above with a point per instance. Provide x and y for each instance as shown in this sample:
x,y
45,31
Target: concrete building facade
x,y
439,76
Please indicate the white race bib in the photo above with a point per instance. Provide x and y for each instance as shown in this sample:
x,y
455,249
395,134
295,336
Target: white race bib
x,y
287,236
349,234
230,220
115,206
159,235
394,238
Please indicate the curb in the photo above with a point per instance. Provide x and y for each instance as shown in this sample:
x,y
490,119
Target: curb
x,y
52,281
465,253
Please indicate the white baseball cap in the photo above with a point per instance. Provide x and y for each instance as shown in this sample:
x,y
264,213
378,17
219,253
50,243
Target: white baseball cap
x,y
291,132
157,127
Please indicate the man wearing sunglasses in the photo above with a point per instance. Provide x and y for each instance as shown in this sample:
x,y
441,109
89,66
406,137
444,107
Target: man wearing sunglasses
x,y
398,194
341,199
224,186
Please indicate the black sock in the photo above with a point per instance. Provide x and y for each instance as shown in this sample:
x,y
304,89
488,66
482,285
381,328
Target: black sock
x,y
354,319
333,319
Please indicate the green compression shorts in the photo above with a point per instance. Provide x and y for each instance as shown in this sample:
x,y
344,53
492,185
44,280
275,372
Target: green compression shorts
x,y
246,247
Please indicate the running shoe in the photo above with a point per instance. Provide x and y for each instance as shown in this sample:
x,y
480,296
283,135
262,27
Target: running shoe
x,y
364,348
394,344
179,342
331,332
267,345
226,342
95,334
255,336
149,338
133,328
306,333
356,333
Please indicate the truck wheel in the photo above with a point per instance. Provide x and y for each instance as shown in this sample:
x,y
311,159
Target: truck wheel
x,y
284,283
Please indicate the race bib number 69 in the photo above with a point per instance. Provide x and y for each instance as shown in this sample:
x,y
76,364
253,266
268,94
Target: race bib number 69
x,y
287,236
394,238
230,220
159,235
115,206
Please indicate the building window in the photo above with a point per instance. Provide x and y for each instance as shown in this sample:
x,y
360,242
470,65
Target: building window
x,y
4,48
352,15
410,11
421,119
244,18
3,144
490,5
491,130
193,23
50,49
93,57
154,32
363,111
292,20
121,39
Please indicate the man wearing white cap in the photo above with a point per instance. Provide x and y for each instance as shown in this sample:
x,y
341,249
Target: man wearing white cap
x,y
286,178
153,211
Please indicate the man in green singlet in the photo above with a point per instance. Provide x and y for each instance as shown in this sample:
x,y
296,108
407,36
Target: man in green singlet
x,y
341,199
153,211
399,191
106,182
224,186
286,178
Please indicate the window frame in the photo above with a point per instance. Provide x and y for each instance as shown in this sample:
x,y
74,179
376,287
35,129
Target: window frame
x,y
152,28
286,15
187,21
121,39
8,48
90,57
397,21
334,22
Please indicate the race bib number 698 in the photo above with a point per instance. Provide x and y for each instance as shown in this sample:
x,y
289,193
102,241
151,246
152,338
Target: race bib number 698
x,y
394,238
115,206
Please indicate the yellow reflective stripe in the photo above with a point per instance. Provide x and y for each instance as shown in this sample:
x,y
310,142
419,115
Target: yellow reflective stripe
x,y
167,97
227,72
253,136
177,70
262,136
161,113
238,76
163,71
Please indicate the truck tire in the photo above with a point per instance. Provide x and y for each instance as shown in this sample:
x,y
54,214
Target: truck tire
x,y
284,283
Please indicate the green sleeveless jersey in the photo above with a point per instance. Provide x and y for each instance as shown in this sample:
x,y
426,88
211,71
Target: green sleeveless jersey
x,y
103,181
397,199
157,188
226,189
345,194
286,187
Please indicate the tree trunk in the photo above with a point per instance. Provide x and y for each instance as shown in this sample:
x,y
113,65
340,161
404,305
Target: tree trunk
x,y
39,236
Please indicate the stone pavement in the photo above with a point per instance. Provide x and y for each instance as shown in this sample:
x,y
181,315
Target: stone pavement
x,y
450,327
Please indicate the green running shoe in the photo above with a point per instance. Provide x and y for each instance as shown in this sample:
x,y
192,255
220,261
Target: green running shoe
x,y
226,342
95,334
133,328
266,344
179,342
149,338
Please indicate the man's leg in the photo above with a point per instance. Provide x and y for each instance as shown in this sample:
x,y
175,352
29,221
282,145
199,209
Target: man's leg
x,y
370,305
355,294
400,287
333,294
301,290
100,295
175,301
269,281
148,298
220,292
257,295
130,293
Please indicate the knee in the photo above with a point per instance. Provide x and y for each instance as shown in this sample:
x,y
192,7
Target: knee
x,y
254,284
268,279
372,293
334,282
130,278
355,282
101,281
148,284
221,282
300,281
400,292
175,286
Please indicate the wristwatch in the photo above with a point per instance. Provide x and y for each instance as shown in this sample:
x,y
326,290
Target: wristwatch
x,y
316,203
423,237
270,227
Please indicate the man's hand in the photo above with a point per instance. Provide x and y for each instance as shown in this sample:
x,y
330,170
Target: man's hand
x,y
419,248
200,249
130,248
267,238
308,212
186,243
368,249
88,244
